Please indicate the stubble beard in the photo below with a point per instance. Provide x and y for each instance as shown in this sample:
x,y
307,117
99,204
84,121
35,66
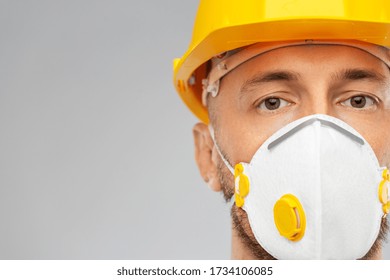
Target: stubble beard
x,y
240,222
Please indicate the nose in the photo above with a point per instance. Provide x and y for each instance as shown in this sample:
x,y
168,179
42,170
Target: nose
x,y
318,102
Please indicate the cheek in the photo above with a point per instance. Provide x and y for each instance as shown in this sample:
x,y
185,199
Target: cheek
x,y
241,137
242,132
381,146
373,129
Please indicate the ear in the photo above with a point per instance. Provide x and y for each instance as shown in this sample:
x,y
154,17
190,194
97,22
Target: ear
x,y
205,156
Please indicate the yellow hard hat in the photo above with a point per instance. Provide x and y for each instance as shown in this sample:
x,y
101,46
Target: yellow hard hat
x,y
223,25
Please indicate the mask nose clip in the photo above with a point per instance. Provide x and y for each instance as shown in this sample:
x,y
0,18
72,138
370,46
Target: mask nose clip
x,y
308,122
289,217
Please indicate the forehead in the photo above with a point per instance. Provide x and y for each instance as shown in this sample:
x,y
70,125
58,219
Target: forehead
x,y
312,57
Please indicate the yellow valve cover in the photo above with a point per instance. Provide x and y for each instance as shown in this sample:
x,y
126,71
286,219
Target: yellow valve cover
x,y
241,185
289,217
383,192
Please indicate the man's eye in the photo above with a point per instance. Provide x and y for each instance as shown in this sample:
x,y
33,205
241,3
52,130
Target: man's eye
x,y
273,103
359,102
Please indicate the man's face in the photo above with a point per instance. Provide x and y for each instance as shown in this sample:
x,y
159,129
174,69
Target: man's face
x,y
270,91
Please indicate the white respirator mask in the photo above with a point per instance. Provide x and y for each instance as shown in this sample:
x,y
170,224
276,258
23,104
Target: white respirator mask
x,y
313,190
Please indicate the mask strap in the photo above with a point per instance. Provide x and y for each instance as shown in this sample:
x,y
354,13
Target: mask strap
x,y
231,169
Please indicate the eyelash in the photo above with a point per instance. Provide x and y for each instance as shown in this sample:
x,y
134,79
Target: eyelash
x,y
261,105
282,104
366,97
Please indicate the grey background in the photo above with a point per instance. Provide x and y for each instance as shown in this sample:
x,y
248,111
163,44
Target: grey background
x,y
96,153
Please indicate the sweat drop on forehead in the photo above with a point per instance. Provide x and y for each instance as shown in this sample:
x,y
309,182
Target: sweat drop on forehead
x,y
313,190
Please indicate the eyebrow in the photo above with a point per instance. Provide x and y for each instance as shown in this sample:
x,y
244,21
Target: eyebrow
x,y
357,74
267,77
351,74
